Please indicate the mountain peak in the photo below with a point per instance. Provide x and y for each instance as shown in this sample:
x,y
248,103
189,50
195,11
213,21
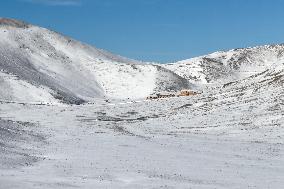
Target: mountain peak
x,y
13,23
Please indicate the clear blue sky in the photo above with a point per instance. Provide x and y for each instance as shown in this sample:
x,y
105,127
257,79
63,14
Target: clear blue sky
x,y
157,30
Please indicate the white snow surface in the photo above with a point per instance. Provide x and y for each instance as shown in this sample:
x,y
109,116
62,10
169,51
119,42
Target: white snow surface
x,y
228,136
11,87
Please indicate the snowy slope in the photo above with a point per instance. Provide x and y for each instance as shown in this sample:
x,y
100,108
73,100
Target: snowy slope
x,y
69,71
228,136
11,85
222,67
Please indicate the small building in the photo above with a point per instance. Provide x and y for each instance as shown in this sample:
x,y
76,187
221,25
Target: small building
x,y
187,93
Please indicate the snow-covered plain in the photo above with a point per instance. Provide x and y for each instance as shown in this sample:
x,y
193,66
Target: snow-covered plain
x,y
228,136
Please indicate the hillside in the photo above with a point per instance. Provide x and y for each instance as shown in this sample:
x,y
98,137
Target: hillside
x,y
228,66
52,68
229,135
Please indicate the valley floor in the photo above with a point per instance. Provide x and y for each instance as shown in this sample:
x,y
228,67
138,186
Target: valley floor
x,y
141,144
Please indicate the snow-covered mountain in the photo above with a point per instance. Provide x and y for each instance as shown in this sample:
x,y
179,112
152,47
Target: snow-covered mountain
x,y
52,68
222,67
39,65
230,135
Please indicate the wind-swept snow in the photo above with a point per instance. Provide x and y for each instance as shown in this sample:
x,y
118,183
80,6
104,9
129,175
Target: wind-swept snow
x,y
11,86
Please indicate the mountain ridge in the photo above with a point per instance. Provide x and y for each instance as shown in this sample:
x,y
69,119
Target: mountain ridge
x,y
70,71
226,66
60,69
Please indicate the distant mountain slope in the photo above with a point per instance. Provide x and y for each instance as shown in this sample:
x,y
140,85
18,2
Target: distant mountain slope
x,y
53,68
222,67
39,65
